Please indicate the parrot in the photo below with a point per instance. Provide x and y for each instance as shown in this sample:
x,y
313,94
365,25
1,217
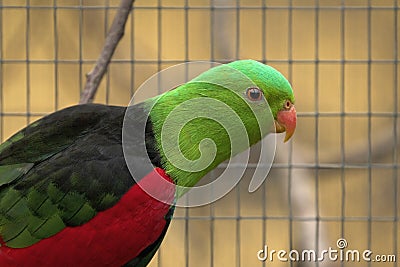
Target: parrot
x,y
67,196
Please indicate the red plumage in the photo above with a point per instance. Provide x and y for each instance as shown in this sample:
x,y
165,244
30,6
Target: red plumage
x,y
111,238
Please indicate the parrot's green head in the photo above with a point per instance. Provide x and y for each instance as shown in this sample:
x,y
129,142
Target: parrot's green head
x,y
276,90
219,114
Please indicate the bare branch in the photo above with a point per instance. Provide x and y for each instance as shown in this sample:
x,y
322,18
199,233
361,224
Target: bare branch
x,y
93,78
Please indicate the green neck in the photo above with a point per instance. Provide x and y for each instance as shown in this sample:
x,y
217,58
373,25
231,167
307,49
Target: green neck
x,y
184,160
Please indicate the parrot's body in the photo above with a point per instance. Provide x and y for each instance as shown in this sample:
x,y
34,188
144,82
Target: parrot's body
x,y
67,197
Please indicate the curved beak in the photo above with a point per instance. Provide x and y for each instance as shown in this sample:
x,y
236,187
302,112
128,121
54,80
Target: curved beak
x,y
286,122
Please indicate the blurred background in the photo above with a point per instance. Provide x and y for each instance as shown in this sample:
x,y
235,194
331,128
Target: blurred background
x,y
337,178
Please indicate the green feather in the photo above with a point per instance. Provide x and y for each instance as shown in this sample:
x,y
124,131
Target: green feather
x,y
84,213
107,200
55,194
9,173
36,200
75,209
9,198
18,209
16,137
23,239
47,209
52,225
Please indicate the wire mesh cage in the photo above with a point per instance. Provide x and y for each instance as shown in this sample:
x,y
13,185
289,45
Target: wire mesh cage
x,y
338,178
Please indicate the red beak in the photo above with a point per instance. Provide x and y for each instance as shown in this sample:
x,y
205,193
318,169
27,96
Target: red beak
x,y
286,122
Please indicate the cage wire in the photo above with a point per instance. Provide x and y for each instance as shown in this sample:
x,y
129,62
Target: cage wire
x,y
337,178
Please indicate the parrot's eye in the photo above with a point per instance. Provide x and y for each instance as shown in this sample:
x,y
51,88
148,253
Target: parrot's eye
x,y
288,104
254,93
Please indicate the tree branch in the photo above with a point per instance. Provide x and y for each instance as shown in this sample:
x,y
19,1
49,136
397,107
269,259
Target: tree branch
x,y
93,78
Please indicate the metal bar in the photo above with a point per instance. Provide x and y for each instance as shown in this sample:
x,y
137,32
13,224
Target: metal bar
x,y
296,218
238,203
56,95
1,75
212,57
175,61
316,105
395,141
290,165
101,7
186,33
106,18
342,124
81,48
369,86
263,188
27,72
132,54
299,114
159,54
